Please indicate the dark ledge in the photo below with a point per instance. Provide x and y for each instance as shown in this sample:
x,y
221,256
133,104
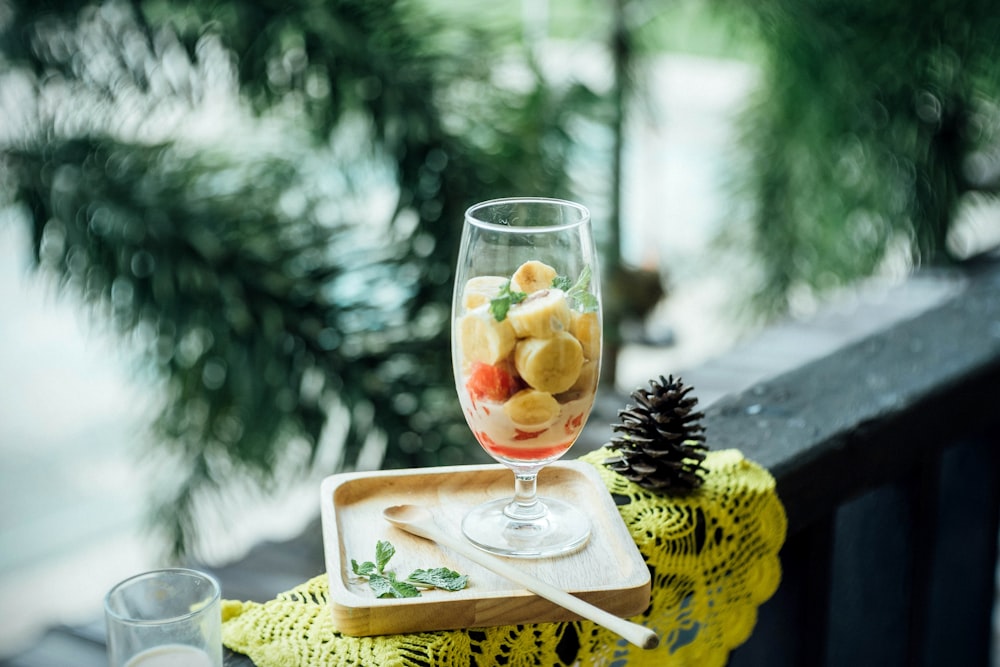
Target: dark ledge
x,y
834,427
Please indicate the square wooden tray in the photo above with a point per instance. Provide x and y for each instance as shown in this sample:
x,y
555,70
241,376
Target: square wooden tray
x,y
608,572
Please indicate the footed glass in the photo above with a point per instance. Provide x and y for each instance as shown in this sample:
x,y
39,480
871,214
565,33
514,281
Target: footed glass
x,y
526,350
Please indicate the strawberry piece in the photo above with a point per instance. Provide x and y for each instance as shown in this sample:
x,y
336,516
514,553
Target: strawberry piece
x,y
490,382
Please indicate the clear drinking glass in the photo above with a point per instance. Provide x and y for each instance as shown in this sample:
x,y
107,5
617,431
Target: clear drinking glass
x,y
526,350
165,618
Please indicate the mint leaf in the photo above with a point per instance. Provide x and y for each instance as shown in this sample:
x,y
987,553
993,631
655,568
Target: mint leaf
x,y
440,577
387,586
500,304
562,282
585,302
383,552
364,569
579,294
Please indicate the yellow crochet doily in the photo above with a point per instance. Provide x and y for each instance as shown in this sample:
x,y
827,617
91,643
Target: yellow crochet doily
x,y
713,556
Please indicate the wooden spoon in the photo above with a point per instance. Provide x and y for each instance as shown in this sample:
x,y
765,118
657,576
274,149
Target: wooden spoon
x,y
419,521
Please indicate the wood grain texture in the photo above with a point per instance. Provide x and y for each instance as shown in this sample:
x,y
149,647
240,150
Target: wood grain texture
x,y
608,572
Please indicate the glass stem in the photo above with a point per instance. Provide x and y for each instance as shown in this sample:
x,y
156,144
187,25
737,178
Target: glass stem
x,y
526,506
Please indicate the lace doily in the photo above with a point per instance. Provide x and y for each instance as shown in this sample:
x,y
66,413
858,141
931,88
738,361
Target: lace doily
x,y
713,556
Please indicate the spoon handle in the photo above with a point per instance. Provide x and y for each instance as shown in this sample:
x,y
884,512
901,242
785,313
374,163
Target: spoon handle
x,y
633,632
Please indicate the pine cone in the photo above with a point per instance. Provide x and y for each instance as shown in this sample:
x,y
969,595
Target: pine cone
x,y
662,444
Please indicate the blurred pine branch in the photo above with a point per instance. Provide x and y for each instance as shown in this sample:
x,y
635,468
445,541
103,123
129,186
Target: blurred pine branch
x,y
865,135
288,262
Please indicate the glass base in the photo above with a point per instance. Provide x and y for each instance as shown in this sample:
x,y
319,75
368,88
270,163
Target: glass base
x,y
561,530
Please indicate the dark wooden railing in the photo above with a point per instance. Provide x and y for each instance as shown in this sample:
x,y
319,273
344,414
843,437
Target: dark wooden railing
x,y
887,458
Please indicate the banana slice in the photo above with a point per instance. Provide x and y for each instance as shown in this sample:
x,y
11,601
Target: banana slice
x,y
550,364
587,329
532,276
585,385
531,408
480,290
484,339
541,315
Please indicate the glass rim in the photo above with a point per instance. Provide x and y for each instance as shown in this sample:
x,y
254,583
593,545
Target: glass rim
x,y
470,214
216,594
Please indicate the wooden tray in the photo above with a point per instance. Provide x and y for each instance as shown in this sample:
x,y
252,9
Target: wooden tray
x,y
608,572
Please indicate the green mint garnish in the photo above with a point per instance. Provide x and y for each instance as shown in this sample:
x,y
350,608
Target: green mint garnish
x,y
562,282
579,294
366,569
502,303
440,577
385,584
383,552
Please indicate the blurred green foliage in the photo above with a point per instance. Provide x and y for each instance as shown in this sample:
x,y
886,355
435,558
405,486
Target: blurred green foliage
x,y
873,125
265,196
284,263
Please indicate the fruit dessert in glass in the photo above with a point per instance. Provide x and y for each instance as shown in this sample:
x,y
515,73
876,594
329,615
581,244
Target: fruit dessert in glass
x,y
526,349
528,375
